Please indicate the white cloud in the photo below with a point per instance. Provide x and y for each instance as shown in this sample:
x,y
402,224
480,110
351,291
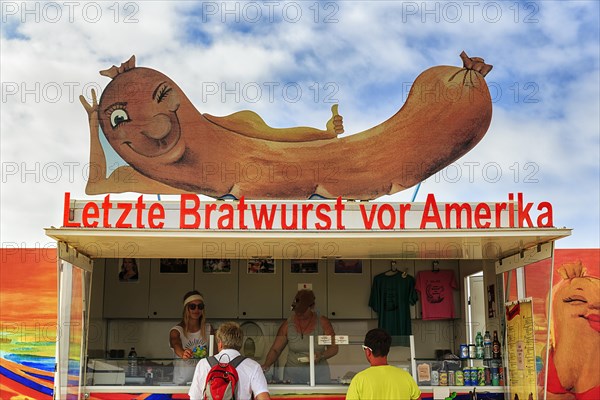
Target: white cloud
x,y
370,53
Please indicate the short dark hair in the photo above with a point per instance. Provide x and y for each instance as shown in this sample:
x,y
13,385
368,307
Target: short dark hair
x,y
379,341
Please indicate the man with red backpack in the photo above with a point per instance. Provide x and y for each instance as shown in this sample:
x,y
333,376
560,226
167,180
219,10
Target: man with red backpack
x,y
229,375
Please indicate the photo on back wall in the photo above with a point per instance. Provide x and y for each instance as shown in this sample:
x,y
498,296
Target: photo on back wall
x,y
348,267
128,270
173,265
304,266
216,266
261,266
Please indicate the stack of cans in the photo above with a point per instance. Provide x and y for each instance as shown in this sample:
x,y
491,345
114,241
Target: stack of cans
x,y
467,376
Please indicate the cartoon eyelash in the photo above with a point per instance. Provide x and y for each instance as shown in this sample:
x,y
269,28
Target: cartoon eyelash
x,y
116,106
571,300
163,93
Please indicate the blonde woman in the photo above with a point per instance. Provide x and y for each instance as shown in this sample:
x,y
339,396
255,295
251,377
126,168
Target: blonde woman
x,y
189,338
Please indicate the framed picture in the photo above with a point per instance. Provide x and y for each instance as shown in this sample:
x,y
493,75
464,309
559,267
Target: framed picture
x,y
348,267
305,266
128,270
173,265
261,266
216,266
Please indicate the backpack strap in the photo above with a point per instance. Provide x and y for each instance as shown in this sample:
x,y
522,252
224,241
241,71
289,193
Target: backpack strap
x,y
237,361
212,361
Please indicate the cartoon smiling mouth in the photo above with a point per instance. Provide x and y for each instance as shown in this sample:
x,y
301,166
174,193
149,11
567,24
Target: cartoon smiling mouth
x,y
152,144
594,321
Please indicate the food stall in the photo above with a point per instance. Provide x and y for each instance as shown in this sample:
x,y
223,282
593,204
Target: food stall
x,y
185,242
298,208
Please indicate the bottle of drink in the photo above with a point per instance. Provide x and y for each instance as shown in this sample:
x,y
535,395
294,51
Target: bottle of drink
x,y
479,346
487,346
132,362
496,347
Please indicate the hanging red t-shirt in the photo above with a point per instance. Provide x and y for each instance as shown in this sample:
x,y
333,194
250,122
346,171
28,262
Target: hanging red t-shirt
x,y
435,289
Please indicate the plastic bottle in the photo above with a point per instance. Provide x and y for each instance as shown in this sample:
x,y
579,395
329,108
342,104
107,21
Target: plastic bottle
x,y
496,352
479,346
132,362
487,346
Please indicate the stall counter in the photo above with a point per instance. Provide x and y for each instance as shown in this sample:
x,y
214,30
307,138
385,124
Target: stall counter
x,y
286,392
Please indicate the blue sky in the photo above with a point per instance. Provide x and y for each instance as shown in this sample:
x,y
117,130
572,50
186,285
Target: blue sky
x,y
289,61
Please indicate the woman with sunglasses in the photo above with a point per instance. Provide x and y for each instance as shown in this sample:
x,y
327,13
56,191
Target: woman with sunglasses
x,y
189,338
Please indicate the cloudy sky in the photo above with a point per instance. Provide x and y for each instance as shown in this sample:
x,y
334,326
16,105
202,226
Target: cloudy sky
x,y
289,61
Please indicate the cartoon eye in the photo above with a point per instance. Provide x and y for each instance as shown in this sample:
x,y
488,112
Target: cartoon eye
x,y
118,116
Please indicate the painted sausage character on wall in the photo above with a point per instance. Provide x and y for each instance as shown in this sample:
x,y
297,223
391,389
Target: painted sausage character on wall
x,y
573,365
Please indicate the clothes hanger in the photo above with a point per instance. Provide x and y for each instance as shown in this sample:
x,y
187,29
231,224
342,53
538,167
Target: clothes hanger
x,y
393,269
434,266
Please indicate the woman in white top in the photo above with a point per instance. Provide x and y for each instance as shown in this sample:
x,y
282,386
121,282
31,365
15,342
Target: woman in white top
x,y
189,338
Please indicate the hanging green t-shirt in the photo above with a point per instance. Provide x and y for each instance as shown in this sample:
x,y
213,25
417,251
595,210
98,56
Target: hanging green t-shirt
x,y
391,297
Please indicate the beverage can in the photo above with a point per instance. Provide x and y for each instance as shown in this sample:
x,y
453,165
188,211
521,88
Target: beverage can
x,y
443,378
464,351
488,376
480,376
479,352
474,379
459,378
435,378
467,376
495,377
500,376
472,351
451,378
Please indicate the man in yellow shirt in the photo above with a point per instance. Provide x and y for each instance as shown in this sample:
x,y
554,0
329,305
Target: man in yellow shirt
x,y
381,381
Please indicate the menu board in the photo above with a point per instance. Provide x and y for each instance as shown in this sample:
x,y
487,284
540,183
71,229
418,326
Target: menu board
x,y
521,350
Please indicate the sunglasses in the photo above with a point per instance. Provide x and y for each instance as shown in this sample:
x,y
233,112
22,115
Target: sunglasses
x,y
193,306
367,347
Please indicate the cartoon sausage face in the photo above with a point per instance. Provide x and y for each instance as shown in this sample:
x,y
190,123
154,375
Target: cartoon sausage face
x,y
155,128
140,121
577,307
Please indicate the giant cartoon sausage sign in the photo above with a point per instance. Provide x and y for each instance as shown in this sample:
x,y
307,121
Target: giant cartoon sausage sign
x,y
171,147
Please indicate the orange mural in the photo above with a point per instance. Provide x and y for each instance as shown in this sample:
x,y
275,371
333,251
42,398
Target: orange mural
x,y
28,316
171,147
573,369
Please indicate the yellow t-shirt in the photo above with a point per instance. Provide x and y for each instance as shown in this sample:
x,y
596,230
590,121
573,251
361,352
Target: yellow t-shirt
x,y
383,382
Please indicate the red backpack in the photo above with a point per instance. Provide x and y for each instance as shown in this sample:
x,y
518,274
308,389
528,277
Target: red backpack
x,y
222,379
